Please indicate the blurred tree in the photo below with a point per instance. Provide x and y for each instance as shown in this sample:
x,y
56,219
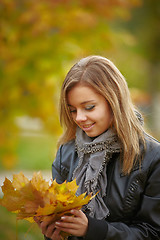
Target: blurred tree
x,y
150,42
145,25
38,42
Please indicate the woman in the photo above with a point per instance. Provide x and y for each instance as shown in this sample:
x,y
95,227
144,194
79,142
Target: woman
x,y
105,148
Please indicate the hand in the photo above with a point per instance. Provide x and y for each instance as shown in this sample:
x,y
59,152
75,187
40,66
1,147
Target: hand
x,y
49,230
75,225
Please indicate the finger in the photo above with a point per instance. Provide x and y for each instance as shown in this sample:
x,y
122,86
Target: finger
x,y
50,230
56,235
47,228
70,231
67,230
76,213
69,219
37,221
66,225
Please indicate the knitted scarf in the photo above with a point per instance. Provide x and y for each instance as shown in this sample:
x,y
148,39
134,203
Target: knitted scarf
x,y
90,174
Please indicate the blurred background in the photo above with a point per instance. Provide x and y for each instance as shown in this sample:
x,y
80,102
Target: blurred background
x,y
39,42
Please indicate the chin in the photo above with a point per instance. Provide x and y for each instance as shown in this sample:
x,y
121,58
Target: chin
x,y
92,134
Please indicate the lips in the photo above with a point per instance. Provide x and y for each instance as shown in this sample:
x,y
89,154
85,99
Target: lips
x,y
87,126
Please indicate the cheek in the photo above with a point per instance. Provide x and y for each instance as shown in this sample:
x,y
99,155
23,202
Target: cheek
x,y
106,117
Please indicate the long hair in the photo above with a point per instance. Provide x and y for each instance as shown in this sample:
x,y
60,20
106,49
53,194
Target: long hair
x,y
103,76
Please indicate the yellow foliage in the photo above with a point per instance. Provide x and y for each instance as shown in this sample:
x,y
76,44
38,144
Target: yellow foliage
x,y
37,198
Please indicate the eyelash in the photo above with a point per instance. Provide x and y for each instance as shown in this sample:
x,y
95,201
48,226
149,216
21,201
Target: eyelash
x,y
87,108
90,107
72,111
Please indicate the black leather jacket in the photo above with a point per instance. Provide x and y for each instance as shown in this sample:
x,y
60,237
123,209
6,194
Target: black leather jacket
x,y
133,200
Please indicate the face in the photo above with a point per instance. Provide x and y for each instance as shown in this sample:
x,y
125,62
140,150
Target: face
x,y
89,110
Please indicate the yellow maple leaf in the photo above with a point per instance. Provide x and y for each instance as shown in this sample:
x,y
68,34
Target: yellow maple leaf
x,y
39,183
19,181
11,197
65,191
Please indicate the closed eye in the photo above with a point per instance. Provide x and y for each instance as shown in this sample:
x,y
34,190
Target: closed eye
x,y
71,109
89,107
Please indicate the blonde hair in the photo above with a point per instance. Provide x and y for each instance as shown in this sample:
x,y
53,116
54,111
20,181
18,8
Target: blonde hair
x,y
103,76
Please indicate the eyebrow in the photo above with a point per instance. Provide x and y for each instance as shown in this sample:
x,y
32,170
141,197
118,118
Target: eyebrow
x,y
83,103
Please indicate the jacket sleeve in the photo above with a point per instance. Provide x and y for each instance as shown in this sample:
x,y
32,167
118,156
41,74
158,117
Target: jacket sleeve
x,y
144,226
65,162
58,171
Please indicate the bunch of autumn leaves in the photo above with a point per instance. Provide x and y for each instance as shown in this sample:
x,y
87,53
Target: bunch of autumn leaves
x,y
38,198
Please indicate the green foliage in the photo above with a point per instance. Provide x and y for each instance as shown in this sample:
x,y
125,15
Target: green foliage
x,y
10,230
35,153
32,153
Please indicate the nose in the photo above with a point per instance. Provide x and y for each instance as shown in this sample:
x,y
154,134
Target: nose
x,y
80,116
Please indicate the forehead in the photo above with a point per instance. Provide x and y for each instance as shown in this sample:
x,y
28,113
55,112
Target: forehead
x,y
81,94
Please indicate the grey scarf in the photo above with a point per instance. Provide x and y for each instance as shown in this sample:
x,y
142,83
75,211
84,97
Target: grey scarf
x,y
90,173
